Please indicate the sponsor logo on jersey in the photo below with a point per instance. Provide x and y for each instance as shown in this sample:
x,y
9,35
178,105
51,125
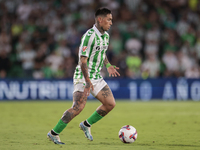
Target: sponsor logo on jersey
x,y
101,48
104,47
98,48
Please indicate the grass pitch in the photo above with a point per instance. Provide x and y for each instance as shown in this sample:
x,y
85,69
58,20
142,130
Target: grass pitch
x,y
160,125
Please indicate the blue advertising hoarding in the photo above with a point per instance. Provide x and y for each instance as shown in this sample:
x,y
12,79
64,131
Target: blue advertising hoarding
x,y
138,89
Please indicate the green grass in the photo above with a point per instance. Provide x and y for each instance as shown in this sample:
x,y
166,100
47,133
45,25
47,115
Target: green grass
x,y
160,125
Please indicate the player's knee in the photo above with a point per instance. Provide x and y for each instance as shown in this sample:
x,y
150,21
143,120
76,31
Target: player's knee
x,y
81,107
78,107
111,105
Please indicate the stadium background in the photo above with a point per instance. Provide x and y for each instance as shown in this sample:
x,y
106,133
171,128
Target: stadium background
x,y
151,41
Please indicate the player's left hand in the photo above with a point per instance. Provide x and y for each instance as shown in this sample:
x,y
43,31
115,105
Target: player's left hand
x,y
112,70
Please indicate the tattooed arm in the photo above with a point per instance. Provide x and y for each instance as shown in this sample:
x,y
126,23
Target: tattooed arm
x,y
112,70
84,69
106,61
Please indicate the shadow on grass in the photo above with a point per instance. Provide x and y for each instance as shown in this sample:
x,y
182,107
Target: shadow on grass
x,y
182,145
175,145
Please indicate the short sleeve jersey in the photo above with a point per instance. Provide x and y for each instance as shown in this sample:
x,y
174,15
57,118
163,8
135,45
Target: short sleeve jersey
x,y
94,46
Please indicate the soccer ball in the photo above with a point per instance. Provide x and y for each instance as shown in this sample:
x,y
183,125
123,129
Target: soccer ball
x,y
127,134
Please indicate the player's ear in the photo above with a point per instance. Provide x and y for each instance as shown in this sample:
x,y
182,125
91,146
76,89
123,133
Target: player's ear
x,y
99,19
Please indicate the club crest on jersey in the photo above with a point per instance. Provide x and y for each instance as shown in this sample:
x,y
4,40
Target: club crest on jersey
x,y
98,42
107,41
84,48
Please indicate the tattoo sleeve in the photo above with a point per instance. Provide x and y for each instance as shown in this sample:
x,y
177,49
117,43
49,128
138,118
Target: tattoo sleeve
x,y
78,101
106,61
84,68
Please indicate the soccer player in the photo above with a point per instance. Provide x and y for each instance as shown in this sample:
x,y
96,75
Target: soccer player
x,y
87,78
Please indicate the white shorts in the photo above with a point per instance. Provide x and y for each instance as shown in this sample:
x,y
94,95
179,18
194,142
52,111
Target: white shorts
x,y
97,84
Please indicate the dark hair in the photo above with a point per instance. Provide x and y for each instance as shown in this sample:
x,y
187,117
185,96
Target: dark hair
x,y
102,11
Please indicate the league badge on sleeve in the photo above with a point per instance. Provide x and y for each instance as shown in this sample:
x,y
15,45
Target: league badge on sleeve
x,y
84,48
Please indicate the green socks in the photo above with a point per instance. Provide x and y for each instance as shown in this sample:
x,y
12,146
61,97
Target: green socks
x,y
59,127
91,120
94,118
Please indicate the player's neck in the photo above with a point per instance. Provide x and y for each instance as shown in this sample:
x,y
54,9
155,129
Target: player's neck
x,y
99,28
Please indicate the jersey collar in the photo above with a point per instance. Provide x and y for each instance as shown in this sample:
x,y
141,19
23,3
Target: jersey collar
x,y
97,31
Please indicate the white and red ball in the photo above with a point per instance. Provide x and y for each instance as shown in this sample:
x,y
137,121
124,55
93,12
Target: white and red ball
x,y
128,134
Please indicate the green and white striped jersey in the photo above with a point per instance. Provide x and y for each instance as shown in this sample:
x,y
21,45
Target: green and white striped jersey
x,y
94,46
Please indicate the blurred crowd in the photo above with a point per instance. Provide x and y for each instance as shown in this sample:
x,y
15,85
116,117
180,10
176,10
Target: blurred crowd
x,y
148,38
